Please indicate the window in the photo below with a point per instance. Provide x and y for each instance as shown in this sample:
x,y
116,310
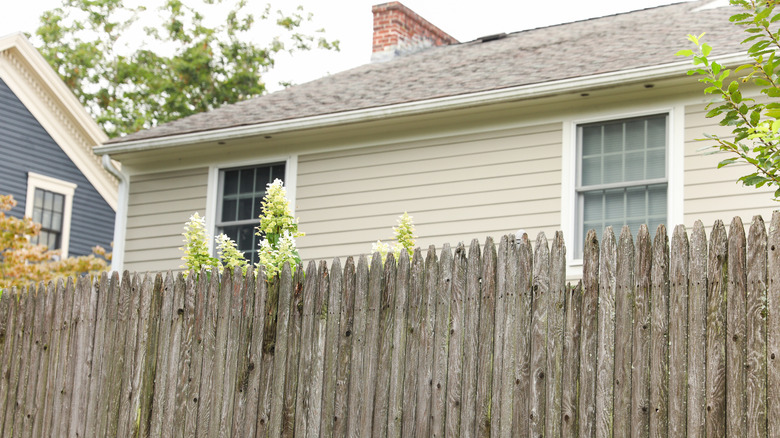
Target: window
x,y
241,194
49,202
621,175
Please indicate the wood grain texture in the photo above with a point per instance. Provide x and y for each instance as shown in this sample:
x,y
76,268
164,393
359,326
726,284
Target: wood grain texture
x,y
371,351
292,364
624,332
556,321
398,360
717,285
773,326
439,374
571,362
589,335
505,402
470,341
659,336
414,324
343,362
499,334
756,366
331,280
736,332
321,315
605,371
385,349
487,311
697,332
356,381
541,288
303,396
522,383
640,354
678,333
279,347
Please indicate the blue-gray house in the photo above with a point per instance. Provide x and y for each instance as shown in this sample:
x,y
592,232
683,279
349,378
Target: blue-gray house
x,y
46,158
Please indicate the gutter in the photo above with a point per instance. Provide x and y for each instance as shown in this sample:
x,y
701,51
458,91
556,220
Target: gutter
x,y
412,108
120,219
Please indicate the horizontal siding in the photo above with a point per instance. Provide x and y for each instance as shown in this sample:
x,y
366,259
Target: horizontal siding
x,y
158,207
456,189
711,193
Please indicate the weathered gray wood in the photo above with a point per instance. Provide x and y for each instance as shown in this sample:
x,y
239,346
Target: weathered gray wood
x,y
303,396
107,396
149,370
14,370
555,329
28,340
206,410
678,333
371,349
398,359
257,294
183,401
736,332
126,410
121,339
385,351
511,339
45,372
589,335
84,356
356,381
427,314
571,362
147,286
414,323
455,347
606,335
522,383
293,355
99,369
346,337
29,406
58,354
640,353
697,332
232,351
175,322
717,283
659,337
773,327
470,340
442,296
160,419
321,303
274,315
624,309
499,336
541,287
756,366
11,336
63,389
332,281
485,357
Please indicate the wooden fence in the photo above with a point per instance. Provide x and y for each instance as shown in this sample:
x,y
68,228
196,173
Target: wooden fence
x,y
653,342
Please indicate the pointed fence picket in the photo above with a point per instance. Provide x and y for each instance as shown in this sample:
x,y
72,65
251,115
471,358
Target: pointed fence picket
x,y
664,336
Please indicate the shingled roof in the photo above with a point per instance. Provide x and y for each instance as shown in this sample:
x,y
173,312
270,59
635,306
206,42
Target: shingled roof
x,y
648,37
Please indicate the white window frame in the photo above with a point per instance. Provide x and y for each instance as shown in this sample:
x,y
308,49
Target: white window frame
x,y
675,147
65,188
213,196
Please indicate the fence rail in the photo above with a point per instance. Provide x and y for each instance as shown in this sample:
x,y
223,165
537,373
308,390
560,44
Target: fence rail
x,y
658,339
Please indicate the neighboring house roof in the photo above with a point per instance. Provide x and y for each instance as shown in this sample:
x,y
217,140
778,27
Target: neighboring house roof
x,y
55,107
555,54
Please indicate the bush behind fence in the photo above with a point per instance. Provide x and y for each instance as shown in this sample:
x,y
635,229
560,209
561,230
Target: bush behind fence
x,y
655,341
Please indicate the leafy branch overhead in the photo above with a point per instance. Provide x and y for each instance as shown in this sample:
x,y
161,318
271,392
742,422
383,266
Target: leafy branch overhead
x,y
134,68
755,124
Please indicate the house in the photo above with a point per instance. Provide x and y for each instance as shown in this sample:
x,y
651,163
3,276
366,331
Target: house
x,y
46,140
571,127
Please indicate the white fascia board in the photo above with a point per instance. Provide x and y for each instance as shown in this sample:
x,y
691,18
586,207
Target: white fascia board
x,y
412,108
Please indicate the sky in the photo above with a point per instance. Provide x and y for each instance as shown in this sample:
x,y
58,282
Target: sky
x,y
350,22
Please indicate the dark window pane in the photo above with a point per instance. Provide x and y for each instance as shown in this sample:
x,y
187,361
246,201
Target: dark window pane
x,y
263,178
258,210
231,182
247,181
244,208
38,198
48,200
59,201
56,221
245,237
229,210
277,172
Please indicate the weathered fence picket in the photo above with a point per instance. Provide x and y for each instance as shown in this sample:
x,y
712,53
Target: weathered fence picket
x,y
660,338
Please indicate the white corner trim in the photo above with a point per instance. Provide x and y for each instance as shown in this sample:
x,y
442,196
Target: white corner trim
x,y
65,188
675,166
212,188
419,107
120,219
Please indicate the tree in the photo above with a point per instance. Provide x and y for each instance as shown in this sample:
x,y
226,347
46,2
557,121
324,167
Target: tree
x,y
22,262
185,64
755,125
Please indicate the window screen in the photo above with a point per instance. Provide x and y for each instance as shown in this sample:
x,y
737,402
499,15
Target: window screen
x,y
48,210
621,175
240,204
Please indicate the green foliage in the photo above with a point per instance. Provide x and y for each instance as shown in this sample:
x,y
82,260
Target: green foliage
x,y
755,125
231,257
278,229
404,238
185,64
196,250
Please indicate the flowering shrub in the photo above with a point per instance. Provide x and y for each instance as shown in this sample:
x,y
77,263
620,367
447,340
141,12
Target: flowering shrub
x,y
22,262
404,238
230,255
196,250
278,229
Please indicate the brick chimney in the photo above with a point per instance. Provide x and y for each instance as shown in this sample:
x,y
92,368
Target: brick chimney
x,y
398,31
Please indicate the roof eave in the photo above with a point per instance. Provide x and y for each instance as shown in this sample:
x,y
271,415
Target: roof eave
x,y
418,107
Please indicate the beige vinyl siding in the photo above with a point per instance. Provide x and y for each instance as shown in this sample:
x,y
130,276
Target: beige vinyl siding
x,y
158,206
455,188
711,193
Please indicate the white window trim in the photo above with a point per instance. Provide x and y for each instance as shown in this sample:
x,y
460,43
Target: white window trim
x,y
212,193
65,188
674,165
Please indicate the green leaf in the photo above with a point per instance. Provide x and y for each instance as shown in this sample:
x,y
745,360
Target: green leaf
x,y
684,52
706,49
733,86
727,161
